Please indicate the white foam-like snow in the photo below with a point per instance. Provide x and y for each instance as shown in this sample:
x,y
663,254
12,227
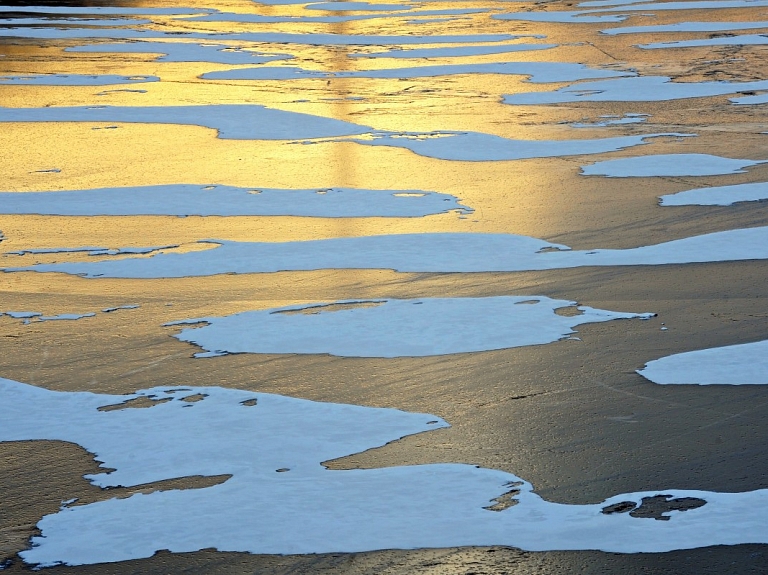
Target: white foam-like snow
x,y
74,79
430,252
537,71
669,165
634,89
218,200
185,52
306,508
718,195
396,328
744,364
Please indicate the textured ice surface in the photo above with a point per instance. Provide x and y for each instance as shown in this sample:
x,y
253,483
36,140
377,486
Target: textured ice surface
x,y
718,195
669,165
744,364
396,328
636,89
307,508
538,72
185,52
74,79
438,252
217,200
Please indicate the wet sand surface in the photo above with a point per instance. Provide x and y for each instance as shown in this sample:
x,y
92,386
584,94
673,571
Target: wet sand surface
x,y
572,417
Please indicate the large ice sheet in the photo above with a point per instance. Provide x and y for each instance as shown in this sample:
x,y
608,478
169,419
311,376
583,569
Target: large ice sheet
x,y
279,498
395,327
219,200
435,252
744,364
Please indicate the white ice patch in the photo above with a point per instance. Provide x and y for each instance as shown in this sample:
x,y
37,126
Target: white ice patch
x,y
636,89
438,252
70,21
232,121
744,364
185,52
356,6
537,71
718,196
259,122
260,18
396,328
611,120
602,14
452,51
306,508
65,316
94,250
74,79
686,27
259,37
477,147
217,200
743,40
104,10
669,165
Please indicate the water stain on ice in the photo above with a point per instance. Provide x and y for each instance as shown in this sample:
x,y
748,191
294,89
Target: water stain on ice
x,y
744,364
219,200
298,510
396,328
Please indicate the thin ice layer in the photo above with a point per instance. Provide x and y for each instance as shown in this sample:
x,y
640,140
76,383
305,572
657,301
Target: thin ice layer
x,y
218,200
396,328
744,364
280,499
438,252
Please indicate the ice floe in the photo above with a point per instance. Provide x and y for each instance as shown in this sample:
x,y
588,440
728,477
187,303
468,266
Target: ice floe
x,y
395,327
429,252
186,52
669,165
743,364
218,200
634,89
537,72
280,499
102,10
718,195
74,79
274,19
